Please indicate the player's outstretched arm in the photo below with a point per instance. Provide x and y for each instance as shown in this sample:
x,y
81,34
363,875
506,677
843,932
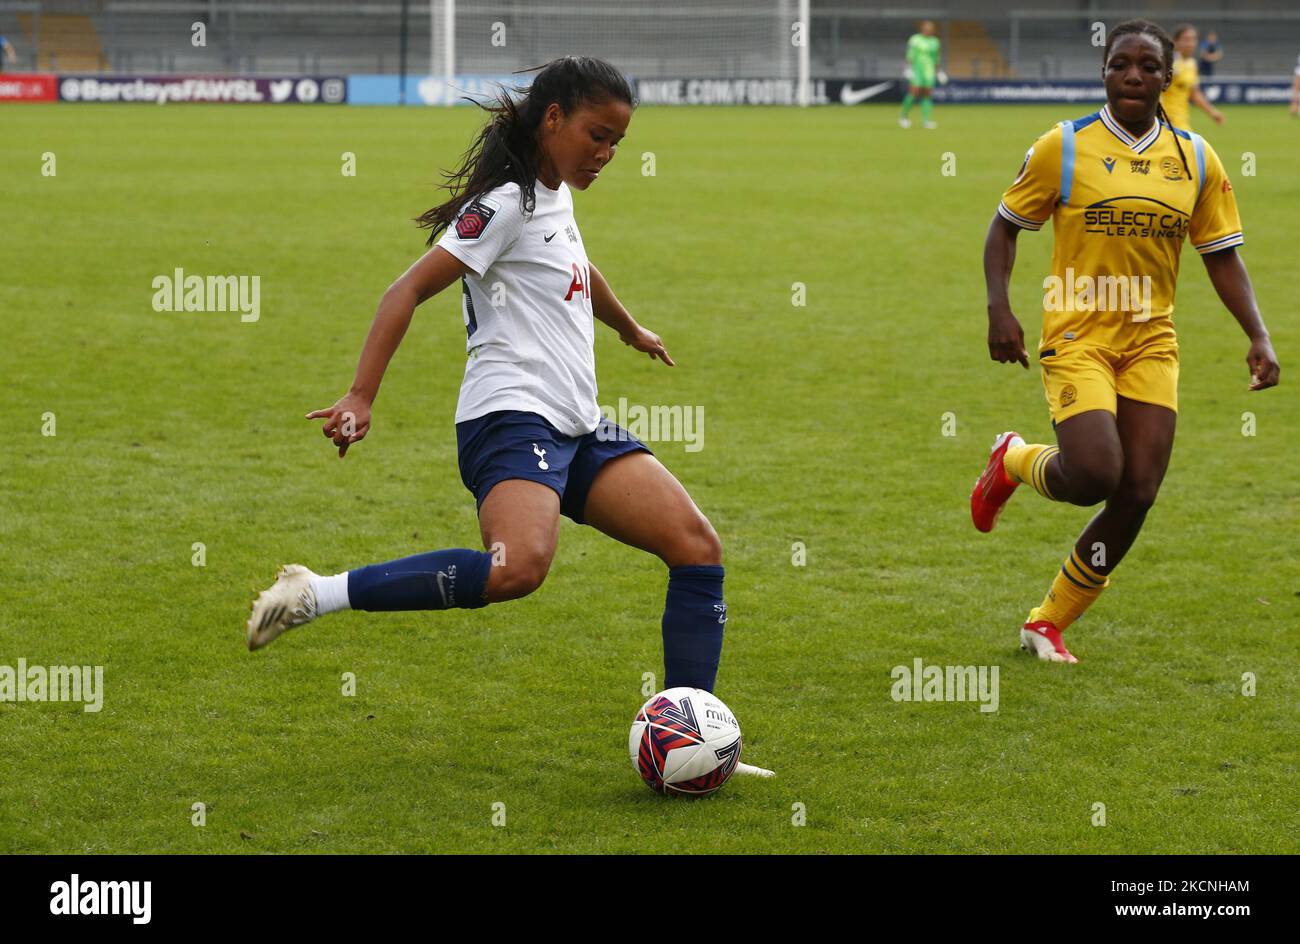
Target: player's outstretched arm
x,y
1227,271
1200,101
348,420
1006,337
606,307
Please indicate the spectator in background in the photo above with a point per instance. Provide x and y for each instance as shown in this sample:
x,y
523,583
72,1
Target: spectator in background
x,y
1210,53
7,56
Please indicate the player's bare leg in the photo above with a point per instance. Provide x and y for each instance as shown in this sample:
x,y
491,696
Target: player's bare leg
x,y
1083,472
519,521
1146,432
637,501
1088,468
520,524
1085,469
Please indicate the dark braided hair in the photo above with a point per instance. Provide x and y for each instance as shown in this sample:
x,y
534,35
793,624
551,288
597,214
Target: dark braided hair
x,y
506,149
1151,31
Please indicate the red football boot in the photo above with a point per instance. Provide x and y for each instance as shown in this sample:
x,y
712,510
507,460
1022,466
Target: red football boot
x,y
994,487
1043,639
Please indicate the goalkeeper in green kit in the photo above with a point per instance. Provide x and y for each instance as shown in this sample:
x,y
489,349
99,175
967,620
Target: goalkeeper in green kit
x,y
923,67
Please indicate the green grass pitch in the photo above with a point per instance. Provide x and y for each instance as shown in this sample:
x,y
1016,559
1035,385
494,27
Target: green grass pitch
x,y
824,425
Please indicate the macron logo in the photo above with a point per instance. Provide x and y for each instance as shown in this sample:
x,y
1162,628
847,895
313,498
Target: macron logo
x,y
102,898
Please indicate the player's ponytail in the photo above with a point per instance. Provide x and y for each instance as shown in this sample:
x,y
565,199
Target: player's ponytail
x,y
506,150
1163,117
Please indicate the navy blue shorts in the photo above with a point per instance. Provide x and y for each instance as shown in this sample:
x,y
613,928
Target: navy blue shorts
x,y
511,444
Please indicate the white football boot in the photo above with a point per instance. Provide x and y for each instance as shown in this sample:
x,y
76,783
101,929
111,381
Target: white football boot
x,y
287,603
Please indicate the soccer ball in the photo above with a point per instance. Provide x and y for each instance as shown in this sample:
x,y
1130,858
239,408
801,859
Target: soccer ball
x,y
685,741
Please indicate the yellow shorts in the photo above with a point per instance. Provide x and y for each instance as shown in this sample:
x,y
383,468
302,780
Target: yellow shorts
x,y
1082,378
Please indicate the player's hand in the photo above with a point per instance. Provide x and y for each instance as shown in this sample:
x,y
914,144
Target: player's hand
x,y
346,422
1007,339
642,340
1263,366
1217,116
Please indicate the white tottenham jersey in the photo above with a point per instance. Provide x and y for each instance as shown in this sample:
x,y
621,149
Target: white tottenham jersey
x,y
527,308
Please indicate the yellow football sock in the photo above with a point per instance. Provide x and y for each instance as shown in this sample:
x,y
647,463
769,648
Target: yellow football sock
x,y
1028,465
1073,591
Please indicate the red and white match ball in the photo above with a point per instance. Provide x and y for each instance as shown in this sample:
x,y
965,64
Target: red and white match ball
x,y
685,741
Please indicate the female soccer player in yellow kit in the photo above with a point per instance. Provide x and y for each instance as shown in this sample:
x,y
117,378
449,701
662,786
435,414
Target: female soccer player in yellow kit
x,y
1123,189
1185,86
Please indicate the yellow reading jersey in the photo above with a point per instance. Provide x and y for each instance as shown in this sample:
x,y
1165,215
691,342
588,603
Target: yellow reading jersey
x,y
1177,99
1120,207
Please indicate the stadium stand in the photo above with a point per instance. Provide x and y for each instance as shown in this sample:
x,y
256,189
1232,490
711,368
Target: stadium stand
x,y
1033,41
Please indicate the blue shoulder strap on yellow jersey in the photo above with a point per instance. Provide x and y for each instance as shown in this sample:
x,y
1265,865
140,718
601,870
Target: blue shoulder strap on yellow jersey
x,y
1198,144
1068,128
1067,160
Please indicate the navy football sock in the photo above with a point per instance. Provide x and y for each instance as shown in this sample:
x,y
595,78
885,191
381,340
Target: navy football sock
x,y
694,615
437,580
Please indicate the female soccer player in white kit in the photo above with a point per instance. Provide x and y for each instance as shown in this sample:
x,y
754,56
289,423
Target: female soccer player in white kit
x,y
532,443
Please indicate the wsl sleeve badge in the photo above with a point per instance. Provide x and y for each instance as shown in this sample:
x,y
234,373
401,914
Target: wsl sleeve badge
x,y
474,220
685,741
